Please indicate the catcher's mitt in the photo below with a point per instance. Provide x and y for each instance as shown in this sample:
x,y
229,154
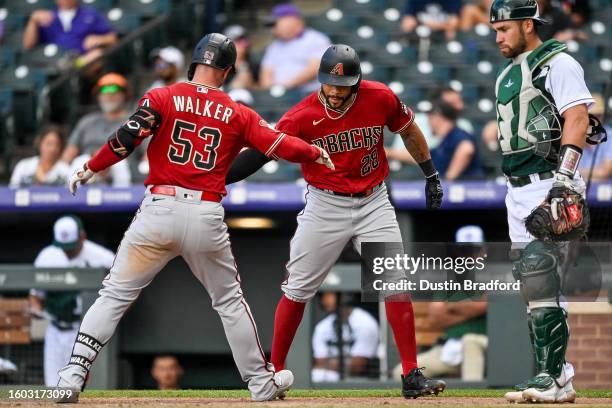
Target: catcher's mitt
x,y
563,216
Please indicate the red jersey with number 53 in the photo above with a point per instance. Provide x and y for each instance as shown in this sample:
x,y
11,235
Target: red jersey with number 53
x,y
201,132
354,139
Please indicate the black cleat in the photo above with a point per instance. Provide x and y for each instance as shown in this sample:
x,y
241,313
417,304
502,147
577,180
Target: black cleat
x,y
415,384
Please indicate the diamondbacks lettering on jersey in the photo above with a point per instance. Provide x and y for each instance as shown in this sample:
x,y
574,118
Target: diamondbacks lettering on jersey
x,y
352,139
207,108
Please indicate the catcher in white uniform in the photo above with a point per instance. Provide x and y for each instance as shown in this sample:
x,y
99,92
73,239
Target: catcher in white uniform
x,y
542,106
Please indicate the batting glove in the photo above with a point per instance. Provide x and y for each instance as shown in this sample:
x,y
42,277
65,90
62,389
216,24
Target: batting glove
x,y
325,159
80,176
433,192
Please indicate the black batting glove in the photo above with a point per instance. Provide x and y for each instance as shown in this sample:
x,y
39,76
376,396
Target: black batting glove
x,y
433,192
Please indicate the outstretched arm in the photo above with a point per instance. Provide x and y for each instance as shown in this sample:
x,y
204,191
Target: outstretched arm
x,y
120,145
246,164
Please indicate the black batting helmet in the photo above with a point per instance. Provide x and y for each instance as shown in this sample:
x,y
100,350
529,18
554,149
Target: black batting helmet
x,y
340,66
214,50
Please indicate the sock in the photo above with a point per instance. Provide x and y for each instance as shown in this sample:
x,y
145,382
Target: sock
x,y
286,322
401,318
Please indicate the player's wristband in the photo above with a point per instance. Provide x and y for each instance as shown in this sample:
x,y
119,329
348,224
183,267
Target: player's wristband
x,y
428,168
568,160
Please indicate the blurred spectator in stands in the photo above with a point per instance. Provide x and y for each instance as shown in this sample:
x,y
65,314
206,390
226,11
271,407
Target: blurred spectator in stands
x,y
70,249
579,10
167,372
244,76
560,26
359,339
475,13
93,129
242,96
438,15
70,26
453,150
169,64
454,99
489,151
292,58
602,168
461,350
46,167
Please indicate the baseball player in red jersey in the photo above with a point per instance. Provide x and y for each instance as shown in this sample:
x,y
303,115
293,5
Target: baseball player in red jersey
x,y
197,132
348,203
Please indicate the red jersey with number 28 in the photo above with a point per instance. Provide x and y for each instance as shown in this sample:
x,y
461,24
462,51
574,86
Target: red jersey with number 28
x,y
353,140
201,132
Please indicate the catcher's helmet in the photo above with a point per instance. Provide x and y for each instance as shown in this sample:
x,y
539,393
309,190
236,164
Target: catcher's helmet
x,y
340,66
502,10
214,50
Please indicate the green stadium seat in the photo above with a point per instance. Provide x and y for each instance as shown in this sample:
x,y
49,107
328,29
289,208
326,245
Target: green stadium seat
x,y
8,57
123,22
26,85
49,56
276,97
482,73
26,7
333,22
101,5
12,22
146,8
423,73
6,101
453,53
360,7
392,54
374,72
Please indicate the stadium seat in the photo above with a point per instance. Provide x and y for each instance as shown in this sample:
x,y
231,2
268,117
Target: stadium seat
x,y
101,5
360,7
8,56
49,56
146,8
26,85
333,21
373,72
423,73
483,73
392,54
12,22
452,53
6,101
123,22
276,96
24,7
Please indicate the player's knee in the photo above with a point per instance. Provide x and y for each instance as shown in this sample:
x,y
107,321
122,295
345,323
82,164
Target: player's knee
x,y
537,271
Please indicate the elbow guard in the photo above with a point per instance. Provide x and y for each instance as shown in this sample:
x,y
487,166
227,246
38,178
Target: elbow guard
x,y
143,123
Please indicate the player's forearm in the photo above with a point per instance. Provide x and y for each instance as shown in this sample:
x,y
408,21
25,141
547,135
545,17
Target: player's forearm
x,y
247,163
460,161
415,143
104,158
296,150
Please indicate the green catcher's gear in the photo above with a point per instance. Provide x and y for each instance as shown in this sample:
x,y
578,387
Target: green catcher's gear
x,y
528,121
502,10
537,271
551,337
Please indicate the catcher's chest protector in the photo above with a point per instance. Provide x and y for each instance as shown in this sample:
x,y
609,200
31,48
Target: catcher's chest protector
x,y
528,121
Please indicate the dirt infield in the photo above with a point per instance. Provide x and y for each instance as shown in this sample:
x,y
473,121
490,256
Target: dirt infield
x,y
447,402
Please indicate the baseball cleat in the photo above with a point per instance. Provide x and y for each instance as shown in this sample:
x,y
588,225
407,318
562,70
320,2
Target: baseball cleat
x,y
415,384
516,396
550,391
284,381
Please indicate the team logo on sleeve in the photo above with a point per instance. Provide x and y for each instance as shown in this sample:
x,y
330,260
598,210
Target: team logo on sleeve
x,y
405,108
338,69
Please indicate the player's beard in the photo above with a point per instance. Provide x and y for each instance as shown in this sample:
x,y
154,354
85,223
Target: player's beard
x,y
519,48
341,106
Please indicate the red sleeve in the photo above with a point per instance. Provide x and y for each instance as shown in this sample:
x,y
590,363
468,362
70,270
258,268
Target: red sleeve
x,y
287,125
399,116
273,143
154,99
